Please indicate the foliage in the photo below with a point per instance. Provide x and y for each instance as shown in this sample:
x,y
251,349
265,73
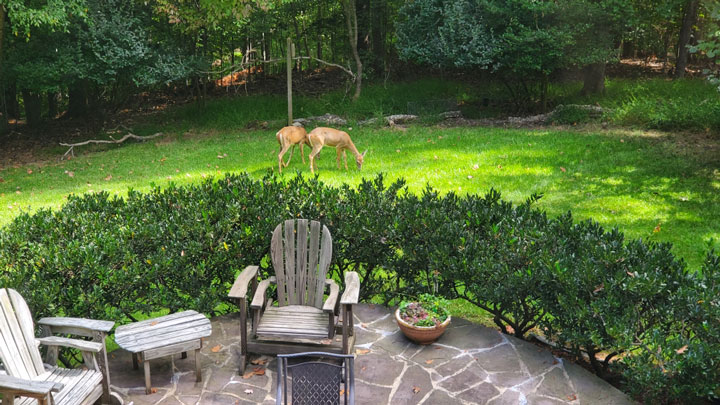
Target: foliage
x,y
655,321
427,311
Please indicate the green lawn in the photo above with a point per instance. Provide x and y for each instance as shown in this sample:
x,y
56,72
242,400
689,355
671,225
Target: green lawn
x,y
645,184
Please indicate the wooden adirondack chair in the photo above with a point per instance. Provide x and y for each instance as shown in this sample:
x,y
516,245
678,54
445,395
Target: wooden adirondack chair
x,y
303,320
28,378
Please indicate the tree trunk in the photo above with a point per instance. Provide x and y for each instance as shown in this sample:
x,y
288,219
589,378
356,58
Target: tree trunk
x,y
351,19
32,107
52,99
77,100
594,79
4,111
319,29
690,14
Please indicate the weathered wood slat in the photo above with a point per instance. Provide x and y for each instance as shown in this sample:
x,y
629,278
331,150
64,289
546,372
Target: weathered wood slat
x,y
178,317
18,363
325,258
352,289
171,349
290,269
82,345
276,254
168,339
301,262
240,286
11,383
160,329
81,323
259,297
329,305
312,271
27,328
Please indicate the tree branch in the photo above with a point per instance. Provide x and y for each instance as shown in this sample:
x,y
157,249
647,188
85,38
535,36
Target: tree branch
x,y
121,140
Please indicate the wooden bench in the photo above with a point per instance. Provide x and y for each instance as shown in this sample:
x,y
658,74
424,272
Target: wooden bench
x,y
164,336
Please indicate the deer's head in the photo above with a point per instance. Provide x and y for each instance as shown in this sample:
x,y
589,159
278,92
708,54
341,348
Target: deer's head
x,y
359,160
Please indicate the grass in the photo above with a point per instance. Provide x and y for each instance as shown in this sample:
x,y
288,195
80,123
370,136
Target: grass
x,y
645,185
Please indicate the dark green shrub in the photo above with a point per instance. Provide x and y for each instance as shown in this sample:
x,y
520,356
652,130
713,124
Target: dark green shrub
x,y
656,322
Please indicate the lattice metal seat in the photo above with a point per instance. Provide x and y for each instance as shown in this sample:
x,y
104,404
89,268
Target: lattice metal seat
x,y
322,381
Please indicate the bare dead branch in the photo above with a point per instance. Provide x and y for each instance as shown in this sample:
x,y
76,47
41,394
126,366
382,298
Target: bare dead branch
x,y
71,146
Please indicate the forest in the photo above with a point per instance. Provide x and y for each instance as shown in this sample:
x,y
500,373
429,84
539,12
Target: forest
x,y
87,58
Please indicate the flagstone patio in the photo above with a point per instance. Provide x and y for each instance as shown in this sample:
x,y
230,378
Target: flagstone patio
x,y
470,364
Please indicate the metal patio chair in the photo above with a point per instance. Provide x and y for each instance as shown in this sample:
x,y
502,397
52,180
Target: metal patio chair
x,y
319,381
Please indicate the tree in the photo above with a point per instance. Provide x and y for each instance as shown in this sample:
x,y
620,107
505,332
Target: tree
x,y
689,16
352,26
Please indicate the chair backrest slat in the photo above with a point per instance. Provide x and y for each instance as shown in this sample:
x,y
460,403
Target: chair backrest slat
x,y
290,261
313,260
301,262
276,254
301,267
325,257
19,352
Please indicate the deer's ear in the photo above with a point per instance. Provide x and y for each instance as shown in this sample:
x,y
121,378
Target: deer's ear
x,y
363,154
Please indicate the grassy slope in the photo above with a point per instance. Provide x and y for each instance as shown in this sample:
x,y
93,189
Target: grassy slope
x,y
632,182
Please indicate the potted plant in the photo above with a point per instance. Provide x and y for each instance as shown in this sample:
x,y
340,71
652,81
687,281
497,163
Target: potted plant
x,y
423,320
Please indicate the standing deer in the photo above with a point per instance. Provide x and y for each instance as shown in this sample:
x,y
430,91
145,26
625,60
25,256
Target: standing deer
x,y
287,137
322,136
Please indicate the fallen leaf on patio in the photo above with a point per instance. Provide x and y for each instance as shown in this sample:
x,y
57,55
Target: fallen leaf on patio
x,y
153,323
248,375
153,390
437,347
215,349
416,389
572,397
363,368
555,361
362,351
259,371
248,391
326,341
681,350
429,361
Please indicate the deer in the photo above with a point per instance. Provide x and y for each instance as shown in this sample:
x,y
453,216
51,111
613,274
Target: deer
x,y
322,136
289,137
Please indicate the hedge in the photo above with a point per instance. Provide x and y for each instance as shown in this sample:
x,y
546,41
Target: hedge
x,y
655,322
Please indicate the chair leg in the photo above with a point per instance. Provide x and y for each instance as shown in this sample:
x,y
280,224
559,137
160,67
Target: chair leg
x,y
146,366
243,335
198,369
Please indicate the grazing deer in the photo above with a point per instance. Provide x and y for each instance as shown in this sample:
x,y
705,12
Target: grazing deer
x,y
322,136
291,136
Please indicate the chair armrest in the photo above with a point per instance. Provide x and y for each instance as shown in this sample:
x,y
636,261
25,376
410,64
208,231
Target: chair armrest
x,y
352,289
76,326
329,305
82,345
259,297
240,286
29,388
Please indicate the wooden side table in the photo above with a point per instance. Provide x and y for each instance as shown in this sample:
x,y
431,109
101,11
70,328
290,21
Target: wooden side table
x,y
164,336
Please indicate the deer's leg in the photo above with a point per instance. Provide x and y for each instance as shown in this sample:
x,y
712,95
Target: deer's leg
x,y
280,157
302,151
345,158
315,151
292,150
339,152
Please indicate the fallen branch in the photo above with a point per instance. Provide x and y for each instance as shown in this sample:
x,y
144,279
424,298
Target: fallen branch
x,y
121,140
343,68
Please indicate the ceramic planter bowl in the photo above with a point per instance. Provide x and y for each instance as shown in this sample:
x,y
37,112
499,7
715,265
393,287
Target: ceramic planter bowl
x,y
423,335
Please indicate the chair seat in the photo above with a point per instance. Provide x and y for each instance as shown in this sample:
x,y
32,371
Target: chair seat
x,y
80,386
295,321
